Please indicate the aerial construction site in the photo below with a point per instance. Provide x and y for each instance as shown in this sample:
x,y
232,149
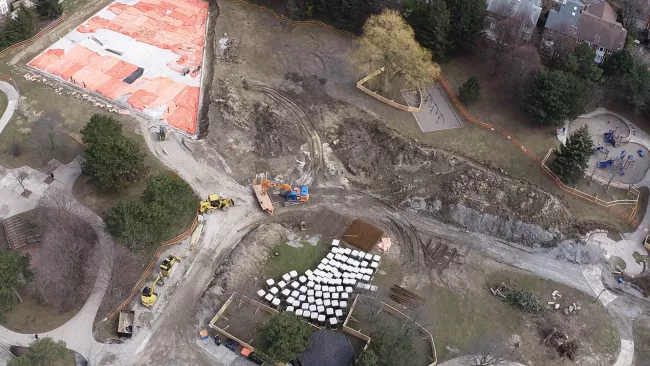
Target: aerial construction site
x,y
276,186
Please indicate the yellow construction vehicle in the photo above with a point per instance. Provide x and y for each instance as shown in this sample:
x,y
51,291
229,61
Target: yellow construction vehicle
x,y
215,202
149,296
167,265
293,194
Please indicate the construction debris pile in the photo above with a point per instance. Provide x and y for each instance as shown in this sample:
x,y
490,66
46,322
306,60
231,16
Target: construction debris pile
x,y
560,341
322,296
69,92
555,304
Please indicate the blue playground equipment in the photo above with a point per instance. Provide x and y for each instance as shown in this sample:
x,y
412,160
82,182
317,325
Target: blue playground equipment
x,y
597,149
610,138
606,163
640,152
625,164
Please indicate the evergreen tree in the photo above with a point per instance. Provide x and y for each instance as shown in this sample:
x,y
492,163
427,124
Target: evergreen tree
x,y
467,21
49,9
636,85
573,156
581,64
430,21
112,161
285,337
44,351
22,27
553,97
14,268
619,63
470,91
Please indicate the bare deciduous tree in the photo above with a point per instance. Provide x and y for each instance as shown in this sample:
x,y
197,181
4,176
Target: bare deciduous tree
x,y
388,41
487,350
519,65
127,267
62,277
20,178
563,43
633,10
508,34
43,141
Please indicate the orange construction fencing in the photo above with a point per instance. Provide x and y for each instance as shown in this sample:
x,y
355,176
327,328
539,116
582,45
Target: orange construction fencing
x,y
145,275
35,37
478,122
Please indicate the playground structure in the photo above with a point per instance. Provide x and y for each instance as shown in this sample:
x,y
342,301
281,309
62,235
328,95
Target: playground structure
x,y
436,112
614,160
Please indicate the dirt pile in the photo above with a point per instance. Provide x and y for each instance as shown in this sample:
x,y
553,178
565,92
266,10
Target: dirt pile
x,y
433,181
241,270
254,133
274,136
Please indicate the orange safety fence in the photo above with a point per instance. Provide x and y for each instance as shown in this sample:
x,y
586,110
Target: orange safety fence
x,y
35,37
151,266
555,178
470,118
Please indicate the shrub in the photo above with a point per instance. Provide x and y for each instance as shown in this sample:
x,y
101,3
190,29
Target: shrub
x,y
525,300
470,91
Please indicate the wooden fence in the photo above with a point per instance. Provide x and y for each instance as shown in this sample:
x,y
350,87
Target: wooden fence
x,y
383,99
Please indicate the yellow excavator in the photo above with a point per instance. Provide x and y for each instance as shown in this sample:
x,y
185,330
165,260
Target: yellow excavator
x,y
215,202
167,265
149,296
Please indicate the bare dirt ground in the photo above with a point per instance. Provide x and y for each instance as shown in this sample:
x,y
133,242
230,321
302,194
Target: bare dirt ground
x,y
465,280
311,95
271,105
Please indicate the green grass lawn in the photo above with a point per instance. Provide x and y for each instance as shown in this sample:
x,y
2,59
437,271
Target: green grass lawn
x,y
299,259
461,309
31,316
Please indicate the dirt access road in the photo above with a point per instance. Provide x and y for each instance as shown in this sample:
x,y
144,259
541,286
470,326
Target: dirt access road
x,y
172,336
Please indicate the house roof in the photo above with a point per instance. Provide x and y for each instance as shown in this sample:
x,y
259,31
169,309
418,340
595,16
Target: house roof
x,y
599,31
506,8
328,349
603,11
565,15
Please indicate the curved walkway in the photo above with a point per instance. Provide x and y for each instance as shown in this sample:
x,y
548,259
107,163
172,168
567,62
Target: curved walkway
x,y
77,332
12,103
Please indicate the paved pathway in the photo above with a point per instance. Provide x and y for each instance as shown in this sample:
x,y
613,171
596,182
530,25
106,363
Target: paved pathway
x,y
77,332
12,97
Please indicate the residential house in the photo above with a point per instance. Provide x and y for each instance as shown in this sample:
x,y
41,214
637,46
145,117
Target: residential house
x,y
599,29
4,7
525,11
595,25
562,20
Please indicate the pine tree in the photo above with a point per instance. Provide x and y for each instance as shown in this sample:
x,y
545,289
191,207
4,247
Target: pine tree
x,y
553,97
23,26
467,21
573,156
49,9
470,91
430,21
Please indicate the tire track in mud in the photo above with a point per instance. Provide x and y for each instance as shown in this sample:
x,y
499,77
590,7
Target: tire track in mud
x,y
306,124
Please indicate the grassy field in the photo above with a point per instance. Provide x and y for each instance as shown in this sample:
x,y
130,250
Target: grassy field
x,y
290,258
460,309
31,316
